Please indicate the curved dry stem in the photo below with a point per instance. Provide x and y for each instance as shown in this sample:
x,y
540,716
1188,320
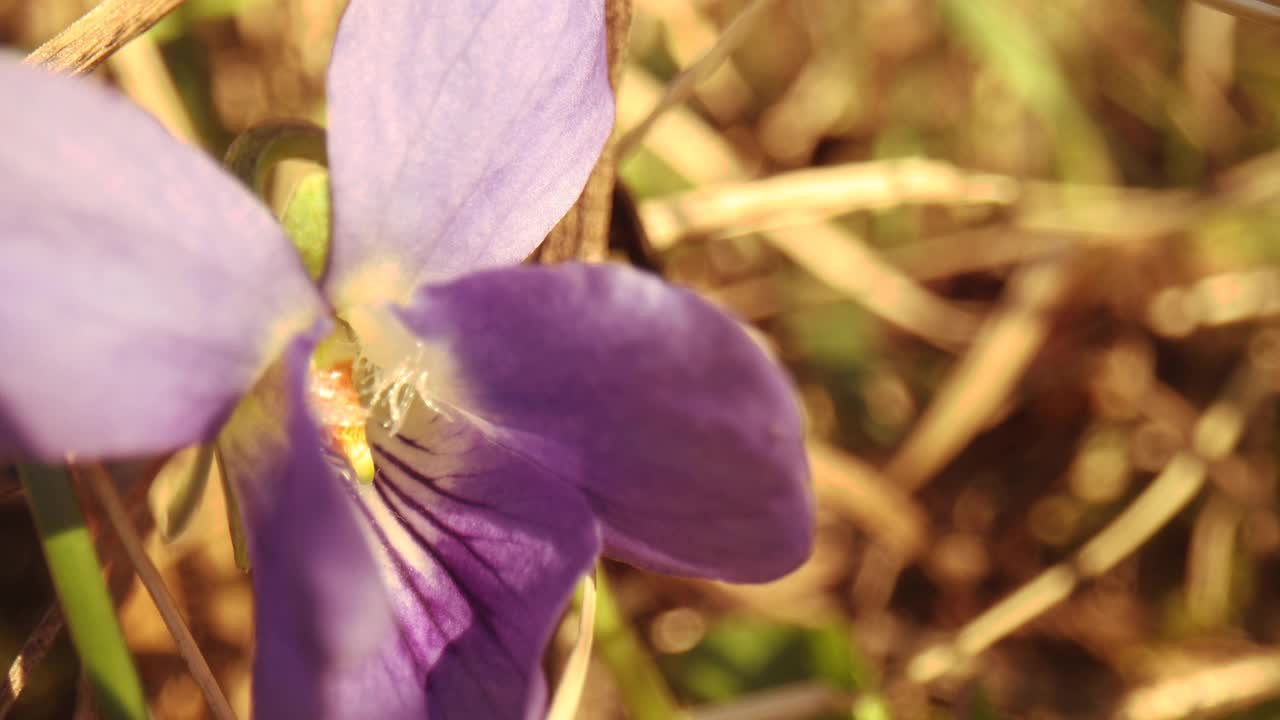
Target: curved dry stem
x,y
104,489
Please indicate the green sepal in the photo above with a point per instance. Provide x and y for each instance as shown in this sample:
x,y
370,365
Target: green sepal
x,y
176,492
235,521
306,220
257,150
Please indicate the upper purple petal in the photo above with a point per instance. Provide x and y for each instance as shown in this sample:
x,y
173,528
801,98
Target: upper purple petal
x,y
321,609
142,290
459,133
683,436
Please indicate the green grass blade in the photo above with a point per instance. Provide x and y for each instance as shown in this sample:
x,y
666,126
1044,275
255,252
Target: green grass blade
x,y
643,689
86,603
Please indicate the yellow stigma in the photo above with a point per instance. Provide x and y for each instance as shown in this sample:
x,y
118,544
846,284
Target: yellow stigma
x,y
370,367
337,403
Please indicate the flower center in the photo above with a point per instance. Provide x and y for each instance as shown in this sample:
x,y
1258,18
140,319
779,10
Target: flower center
x,y
370,367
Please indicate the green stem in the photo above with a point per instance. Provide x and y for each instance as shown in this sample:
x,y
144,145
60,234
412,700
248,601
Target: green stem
x,y
644,691
86,603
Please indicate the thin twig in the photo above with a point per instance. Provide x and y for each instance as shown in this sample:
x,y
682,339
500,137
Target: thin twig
x,y
104,488
29,657
683,86
99,33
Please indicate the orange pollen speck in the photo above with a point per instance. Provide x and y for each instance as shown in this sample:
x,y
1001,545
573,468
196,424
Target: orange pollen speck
x,y
336,401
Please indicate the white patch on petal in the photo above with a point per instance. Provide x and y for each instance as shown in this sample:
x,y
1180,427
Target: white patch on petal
x,y
394,369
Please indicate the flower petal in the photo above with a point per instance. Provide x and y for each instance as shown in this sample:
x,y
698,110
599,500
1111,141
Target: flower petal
x,y
685,438
321,609
481,551
141,289
460,132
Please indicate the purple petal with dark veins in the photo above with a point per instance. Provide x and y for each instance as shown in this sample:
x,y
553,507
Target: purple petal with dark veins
x,y
321,609
459,133
481,552
142,290
683,436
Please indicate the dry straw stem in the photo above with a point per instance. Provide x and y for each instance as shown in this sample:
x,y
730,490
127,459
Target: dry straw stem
x,y
816,194
583,233
1208,40
1209,561
984,377
140,70
99,33
30,656
104,489
827,251
564,706
1211,691
1213,437
858,491
844,262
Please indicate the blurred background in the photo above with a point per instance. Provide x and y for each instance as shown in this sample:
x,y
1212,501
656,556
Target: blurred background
x,y
1022,260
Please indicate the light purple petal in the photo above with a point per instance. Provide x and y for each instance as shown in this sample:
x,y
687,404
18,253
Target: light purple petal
x,y
321,609
481,551
682,434
141,289
459,133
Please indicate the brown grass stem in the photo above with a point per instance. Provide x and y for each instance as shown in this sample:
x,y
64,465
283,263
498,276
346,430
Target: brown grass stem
x,y
106,28
30,656
104,489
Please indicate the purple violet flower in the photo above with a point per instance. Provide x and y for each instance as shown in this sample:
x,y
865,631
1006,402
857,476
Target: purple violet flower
x,y
520,421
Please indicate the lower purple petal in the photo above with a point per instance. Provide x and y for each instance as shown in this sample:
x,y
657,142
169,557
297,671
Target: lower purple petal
x,y
321,610
430,592
481,552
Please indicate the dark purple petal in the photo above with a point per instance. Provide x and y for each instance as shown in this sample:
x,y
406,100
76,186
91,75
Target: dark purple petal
x,y
141,289
685,438
481,551
321,609
459,133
